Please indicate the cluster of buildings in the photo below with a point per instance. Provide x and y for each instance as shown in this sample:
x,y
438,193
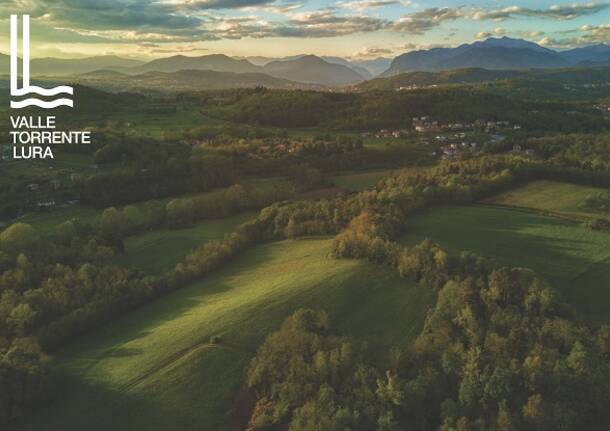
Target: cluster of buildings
x,y
387,133
412,87
427,125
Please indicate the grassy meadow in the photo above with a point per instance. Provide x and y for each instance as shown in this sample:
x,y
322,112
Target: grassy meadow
x,y
360,180
551,196
144,370
161,249
572,258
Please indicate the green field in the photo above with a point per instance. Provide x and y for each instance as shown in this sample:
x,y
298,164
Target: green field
x,y
360,180
46,221
161,249
572,258
549,196
154,369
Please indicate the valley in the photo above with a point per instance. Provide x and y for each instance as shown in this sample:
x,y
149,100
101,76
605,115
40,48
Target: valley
x,y
312,242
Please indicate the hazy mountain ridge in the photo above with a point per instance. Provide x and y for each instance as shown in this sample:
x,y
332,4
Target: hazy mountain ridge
x,y
495,54
49,66
307,69
491,54
184,80
314,70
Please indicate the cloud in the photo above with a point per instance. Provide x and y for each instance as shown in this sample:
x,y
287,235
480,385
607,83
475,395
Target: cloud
x,y
281,9
190,21
421,21
530,33
556,12
325,23
317,24
372,52
371,4
585,35
194,5
497,32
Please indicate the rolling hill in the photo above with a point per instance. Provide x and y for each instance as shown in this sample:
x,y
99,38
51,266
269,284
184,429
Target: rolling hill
x,y
571,75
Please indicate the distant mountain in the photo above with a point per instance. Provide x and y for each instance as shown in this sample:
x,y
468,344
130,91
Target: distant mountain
x,y
507,42
63,66
258,60
589,54
375,66
183,80
493,53
213,62
312,69
362,71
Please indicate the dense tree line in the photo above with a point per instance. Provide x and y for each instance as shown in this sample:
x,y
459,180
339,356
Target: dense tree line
x,y
499,351
374,110
175,176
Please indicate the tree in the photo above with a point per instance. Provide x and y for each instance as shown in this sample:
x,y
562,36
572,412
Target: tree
x,y
18,238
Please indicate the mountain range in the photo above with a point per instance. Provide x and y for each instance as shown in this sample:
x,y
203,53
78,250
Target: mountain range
x,y
70,66
497,54
183,80
309,70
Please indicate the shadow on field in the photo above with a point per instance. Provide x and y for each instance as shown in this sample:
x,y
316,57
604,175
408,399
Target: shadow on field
x,y
561,252
190,384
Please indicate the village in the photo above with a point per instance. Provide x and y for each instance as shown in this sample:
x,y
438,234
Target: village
x,y
451,139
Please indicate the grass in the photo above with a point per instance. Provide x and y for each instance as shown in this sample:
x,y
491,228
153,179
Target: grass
x,y
154,368
160,250
572,258
552,196
46,221
360,180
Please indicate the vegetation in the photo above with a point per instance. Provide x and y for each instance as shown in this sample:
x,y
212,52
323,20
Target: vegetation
x,y
556,197
158,361
174,179
573,259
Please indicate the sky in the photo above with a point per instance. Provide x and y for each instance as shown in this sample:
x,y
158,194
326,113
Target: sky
x,y
357,29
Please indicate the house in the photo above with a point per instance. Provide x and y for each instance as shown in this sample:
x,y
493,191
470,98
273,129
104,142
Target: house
x,y
45,203
33,187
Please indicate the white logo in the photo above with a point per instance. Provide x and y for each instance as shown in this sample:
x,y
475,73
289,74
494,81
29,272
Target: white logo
x,y
26,88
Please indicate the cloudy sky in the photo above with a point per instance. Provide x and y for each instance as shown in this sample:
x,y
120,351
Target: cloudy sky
x,y
350,28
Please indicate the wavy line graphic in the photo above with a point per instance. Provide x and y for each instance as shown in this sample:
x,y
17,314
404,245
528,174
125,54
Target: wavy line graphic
x,y
41,103
34,89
